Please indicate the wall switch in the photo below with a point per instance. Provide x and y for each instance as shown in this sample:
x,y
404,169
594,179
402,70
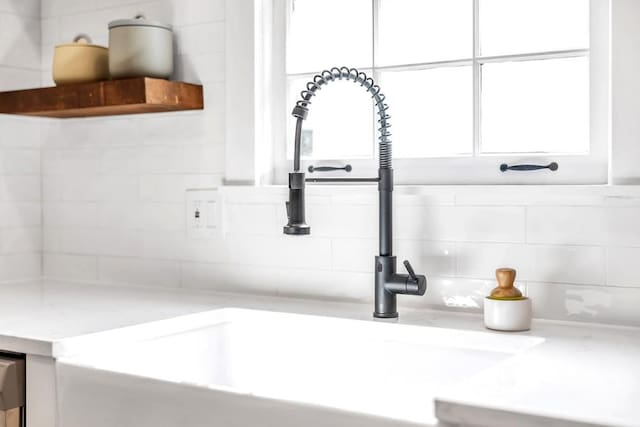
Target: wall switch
x,y
204,214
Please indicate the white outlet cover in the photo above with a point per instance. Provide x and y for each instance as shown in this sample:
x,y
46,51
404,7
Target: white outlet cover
x,y
203,210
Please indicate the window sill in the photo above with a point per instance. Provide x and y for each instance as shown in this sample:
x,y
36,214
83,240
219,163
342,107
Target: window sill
x,y
490,195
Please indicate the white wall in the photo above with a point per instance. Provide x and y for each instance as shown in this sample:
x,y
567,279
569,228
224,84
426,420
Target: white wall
x,y
114,186
19,44
20,207
114,193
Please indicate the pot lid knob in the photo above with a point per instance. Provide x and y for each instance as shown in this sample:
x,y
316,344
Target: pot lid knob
x,y
82,39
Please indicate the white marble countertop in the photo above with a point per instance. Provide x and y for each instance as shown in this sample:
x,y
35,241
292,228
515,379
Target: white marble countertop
x,y
583,374
36,316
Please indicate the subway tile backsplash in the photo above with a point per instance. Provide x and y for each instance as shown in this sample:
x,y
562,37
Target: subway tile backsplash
x,y
567,278
104,198
582,225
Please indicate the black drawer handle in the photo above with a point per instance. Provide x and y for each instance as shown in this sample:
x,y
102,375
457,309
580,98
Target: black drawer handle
x,y
346,168
553,166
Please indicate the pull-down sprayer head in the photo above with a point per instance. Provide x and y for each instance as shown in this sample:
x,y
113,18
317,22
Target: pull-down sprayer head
x,y
296,224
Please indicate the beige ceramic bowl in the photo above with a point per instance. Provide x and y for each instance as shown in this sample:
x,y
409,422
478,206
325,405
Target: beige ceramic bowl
x,y
80,62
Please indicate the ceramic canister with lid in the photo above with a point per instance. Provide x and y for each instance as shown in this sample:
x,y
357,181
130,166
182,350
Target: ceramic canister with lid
x,y
140,48
80,62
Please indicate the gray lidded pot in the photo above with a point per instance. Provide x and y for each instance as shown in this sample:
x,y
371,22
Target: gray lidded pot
x,y
140,48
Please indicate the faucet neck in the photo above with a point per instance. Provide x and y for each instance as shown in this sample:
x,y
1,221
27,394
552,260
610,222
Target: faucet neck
x,y
301,110
296,152
385,212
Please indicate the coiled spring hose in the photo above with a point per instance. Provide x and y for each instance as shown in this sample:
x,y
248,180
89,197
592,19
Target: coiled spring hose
x,y
301,110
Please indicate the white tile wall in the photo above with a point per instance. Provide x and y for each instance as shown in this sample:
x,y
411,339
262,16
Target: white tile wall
x,y
567,280
566,225
71,267
19,44
20,139
585,303
19,266
139,271
623,268
114,188
458,242
24,8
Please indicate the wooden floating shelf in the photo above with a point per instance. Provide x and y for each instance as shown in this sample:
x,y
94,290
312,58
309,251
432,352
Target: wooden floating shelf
x,y
114,97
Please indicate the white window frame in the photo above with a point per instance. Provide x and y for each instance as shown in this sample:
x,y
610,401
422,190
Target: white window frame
x,y
591,168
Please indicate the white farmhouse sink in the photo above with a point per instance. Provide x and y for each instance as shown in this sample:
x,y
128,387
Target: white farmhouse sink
x,y
248,367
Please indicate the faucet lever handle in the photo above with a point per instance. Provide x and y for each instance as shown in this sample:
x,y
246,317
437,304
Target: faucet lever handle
x,y
412,273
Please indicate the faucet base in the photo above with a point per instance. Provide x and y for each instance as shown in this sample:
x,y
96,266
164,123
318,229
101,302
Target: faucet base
x,y
389,284
297,230
385,300
385,315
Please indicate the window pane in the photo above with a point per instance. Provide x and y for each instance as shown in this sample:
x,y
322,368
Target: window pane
x,y
417,31
340,122
522,26
329,33
431,111
536,106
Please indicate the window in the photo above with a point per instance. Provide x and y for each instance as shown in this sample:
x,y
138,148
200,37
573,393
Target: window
x,y
471,84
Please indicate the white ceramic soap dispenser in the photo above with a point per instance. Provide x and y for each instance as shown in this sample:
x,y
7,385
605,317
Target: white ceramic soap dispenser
x,y
506,309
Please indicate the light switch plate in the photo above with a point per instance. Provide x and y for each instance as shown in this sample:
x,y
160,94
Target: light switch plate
x,y
203,213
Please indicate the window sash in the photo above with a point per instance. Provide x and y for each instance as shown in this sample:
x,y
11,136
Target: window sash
x,y
477,168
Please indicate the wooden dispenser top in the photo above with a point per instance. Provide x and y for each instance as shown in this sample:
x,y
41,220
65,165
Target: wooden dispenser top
x,y
505,290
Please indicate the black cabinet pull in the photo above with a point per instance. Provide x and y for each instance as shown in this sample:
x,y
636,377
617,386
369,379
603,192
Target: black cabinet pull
x,y
346,168
553,166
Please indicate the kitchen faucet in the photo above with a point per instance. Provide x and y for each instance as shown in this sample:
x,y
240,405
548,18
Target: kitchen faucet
x,y
388,283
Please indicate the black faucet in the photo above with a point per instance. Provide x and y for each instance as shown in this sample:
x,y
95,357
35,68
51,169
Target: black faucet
x,y
388,283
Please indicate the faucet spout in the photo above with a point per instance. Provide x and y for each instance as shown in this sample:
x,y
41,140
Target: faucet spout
x,y
388,283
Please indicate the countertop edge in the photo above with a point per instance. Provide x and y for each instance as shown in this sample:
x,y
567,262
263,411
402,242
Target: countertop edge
x,y
460,413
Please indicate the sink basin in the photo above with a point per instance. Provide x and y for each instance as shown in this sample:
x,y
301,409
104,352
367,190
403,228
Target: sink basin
x,y
382,371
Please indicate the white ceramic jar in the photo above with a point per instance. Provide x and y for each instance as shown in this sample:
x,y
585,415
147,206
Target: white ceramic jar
x,y
508,315
140,48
